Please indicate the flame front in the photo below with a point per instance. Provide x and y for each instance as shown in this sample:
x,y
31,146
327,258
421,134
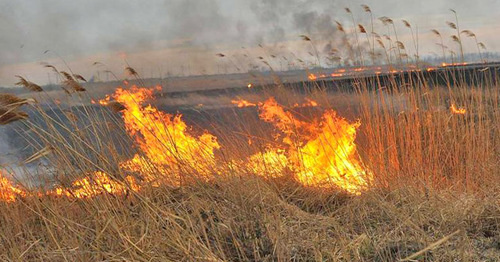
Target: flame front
x,y
163,138
458,111
242,103
97,183
319,153
9,192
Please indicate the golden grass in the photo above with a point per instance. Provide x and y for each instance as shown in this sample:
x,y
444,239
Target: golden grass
x,y
434,198
435,194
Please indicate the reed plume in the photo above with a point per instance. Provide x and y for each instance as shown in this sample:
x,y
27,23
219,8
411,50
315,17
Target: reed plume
x,y
116,106
131,71
9,101
28,85
9,115
79,77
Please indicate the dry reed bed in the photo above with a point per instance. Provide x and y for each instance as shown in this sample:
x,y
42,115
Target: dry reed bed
x,y
434,196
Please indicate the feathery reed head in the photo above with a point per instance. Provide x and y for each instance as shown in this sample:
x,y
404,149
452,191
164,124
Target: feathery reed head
x,y
66,75
386,20
79,77
361,29
9,101
72,84
28,85
380,43
131,71
366,8
340,27
9,115
400,45
305,38
451,25
115,106
436,32
406,23
468,33
52,67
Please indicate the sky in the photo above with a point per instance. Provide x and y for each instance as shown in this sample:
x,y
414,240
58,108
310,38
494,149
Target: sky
x,y
182,36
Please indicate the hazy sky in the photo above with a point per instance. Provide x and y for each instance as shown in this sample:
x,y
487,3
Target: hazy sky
x,y
163,35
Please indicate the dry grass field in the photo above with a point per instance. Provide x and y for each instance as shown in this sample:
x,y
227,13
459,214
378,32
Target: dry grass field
x,y
397,170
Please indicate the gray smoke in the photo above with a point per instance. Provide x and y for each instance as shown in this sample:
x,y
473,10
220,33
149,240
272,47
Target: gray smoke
x,y
73,29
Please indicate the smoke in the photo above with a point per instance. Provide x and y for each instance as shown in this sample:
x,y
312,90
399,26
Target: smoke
x,y
73,30
8,154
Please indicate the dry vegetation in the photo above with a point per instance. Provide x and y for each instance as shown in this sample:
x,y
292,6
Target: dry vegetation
x,y
434,195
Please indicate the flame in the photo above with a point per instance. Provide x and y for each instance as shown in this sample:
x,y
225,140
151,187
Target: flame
x,y
312,77
309,103
453,64
93,185
9,192
249,85
242,103
458,111
271,163
319,153
162,137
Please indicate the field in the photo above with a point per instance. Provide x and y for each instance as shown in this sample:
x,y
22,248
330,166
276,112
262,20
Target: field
x,y
397,166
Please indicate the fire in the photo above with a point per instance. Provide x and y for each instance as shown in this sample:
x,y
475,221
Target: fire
x,y
310,103
453,64
330,157
242,103
163,138
458,111
249,85
9,192
321,153
312,77
270,163
96,184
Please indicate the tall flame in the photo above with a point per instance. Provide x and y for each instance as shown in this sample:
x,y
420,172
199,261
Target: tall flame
x,y
163,138
320,153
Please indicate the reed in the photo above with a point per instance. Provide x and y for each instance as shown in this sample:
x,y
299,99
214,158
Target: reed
x,y
121,180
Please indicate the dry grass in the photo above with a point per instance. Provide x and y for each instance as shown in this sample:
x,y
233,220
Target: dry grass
x,y
435,194
246,219
435,197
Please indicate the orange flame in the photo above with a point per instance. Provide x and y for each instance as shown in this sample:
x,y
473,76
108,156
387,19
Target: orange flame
x,y
320,154
242,103
96,184
162,137
9,192
458,111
